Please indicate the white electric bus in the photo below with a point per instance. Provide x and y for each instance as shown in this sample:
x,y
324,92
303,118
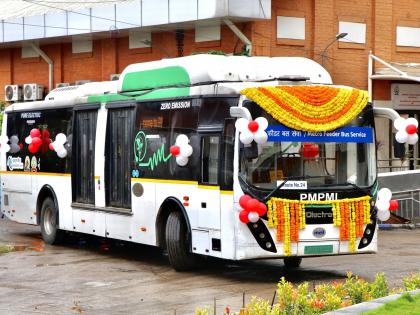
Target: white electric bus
x,y
155,158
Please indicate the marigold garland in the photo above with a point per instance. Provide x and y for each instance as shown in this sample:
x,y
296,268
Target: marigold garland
x,y
288,217
310,108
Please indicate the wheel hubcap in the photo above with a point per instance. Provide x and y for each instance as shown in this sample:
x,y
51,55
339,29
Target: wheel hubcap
x,y
49,221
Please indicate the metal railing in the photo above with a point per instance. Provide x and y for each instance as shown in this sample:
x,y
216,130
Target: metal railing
x,y
408,204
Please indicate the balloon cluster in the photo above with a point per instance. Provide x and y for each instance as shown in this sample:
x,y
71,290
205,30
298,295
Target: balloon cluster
x,y
384,204
46,140
4,143
58,145
182,150
407,130
310,150
252,209
252,130
34,140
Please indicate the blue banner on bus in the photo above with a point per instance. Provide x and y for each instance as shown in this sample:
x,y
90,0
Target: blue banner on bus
x,y
279,133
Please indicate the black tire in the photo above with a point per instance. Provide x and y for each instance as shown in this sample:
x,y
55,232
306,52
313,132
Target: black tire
x,y
292,262
178,242
49,223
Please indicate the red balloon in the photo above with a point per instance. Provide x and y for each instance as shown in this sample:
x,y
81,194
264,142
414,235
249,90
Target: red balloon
x,y
175,150
35,133
36,141
45,133
244,200
393,205
32,148
20,145
252,205
310,150
253,126
262,209
411,129
51,146
243,216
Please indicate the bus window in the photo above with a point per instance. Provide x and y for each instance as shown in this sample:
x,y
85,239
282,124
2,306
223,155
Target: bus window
x,y
49,123
210,159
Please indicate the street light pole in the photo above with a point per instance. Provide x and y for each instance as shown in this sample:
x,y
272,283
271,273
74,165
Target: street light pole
x,y
337,37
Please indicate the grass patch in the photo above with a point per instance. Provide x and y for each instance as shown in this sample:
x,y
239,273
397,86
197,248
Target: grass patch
x,y
6,249
406,304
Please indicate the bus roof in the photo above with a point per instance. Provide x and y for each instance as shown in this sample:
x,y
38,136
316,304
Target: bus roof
x,y
185,76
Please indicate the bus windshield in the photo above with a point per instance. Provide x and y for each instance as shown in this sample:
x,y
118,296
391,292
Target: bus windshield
x,y
309,164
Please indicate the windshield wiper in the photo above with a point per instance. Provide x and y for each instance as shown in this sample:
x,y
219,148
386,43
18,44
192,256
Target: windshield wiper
x,y
287,179
358,188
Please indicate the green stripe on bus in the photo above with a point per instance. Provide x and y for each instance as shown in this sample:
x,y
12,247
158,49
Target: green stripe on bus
x,y
318,249
156,78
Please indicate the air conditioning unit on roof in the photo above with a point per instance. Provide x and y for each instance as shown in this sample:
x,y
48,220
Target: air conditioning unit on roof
x,y
33,92
13,93
81,82
61,84
114,77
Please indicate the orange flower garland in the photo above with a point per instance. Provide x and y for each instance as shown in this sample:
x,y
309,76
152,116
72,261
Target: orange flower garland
x,y
288,217
309,108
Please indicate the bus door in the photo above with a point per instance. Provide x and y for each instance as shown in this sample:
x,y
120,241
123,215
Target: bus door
x,y
118,167
83,175
209,186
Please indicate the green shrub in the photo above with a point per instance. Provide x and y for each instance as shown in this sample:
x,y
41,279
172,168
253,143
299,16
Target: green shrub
x,y
412,282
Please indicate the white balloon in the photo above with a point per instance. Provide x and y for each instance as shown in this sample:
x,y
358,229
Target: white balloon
x,y
385,194
4,139
62,153
260,137
253,216
14,139
382,205
181,140
28,140
400,123
262,123
181,160
383,215
5,147
242,124
412,121
412,139
246,137
60,138
14,148
401,136
58,146
186,150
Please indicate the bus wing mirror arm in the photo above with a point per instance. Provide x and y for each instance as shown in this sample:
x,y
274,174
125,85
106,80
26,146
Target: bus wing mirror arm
x,y
384,112
240,112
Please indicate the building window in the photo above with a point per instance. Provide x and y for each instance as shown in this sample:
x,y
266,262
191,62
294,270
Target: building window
x,y
29,52
138,39
290,27
207,33
356,32
80,45
408,36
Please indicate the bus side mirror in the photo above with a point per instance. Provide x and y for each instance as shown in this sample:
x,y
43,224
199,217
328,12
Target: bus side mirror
x,y
399,149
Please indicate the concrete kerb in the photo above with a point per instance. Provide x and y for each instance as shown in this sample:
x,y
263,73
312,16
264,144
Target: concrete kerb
x,y
370,305
409,226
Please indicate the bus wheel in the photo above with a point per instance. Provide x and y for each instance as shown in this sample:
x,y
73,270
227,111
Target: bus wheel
x,y
292,262
49,222
177,242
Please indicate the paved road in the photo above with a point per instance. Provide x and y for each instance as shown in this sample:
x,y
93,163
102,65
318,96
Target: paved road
x,y
93,277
